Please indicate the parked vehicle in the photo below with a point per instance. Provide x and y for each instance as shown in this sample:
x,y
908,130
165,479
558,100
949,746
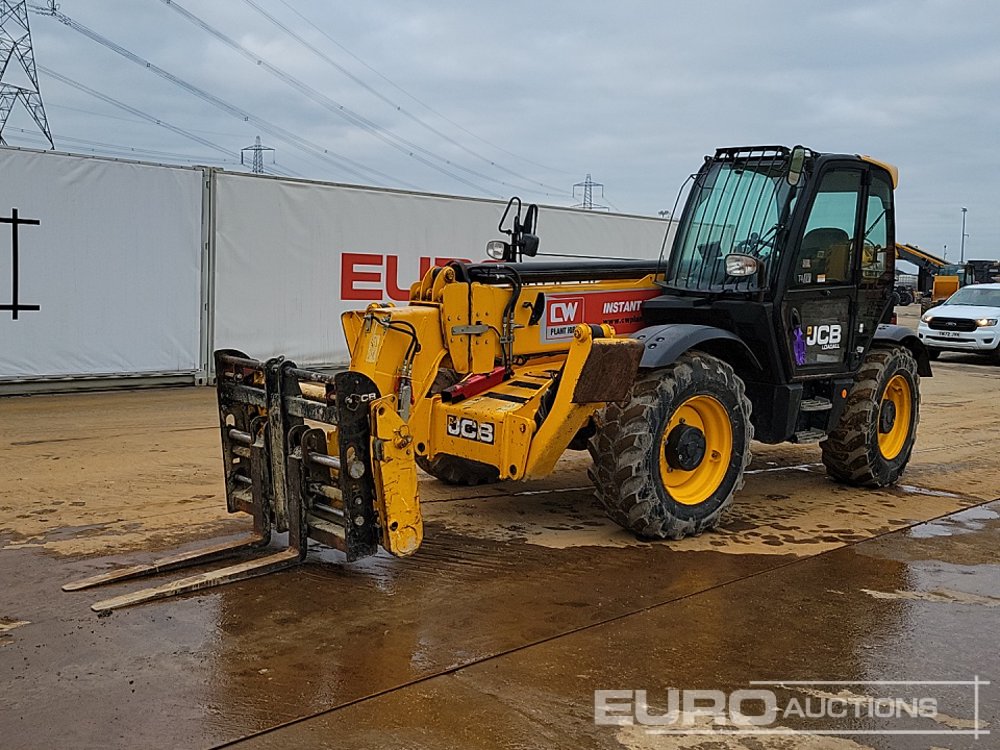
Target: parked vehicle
x,y
966,322
903,295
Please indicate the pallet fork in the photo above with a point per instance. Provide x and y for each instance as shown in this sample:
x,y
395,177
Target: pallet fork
x,y
280,471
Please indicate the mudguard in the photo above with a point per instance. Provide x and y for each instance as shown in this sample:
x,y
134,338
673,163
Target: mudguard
x,y
890,334
663,344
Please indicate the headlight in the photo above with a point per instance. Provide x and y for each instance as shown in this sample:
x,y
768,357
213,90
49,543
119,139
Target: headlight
x,y
926,318
496,249
986,322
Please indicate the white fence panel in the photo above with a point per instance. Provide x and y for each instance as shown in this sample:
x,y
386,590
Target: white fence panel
x,y
113,266
292,256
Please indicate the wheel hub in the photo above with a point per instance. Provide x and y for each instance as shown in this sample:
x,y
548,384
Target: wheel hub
x,y
685,447
887,417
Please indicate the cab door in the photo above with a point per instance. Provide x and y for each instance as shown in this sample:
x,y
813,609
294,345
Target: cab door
x,y
820,300
877,273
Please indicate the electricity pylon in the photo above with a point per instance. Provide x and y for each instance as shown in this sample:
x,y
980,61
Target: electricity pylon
x,y
587,187
258,155
15,44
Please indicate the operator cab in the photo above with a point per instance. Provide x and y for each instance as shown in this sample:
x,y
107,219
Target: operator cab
x,y
787,247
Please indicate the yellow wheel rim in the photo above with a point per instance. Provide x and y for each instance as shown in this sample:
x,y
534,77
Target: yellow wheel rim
x,y
898,393
709,416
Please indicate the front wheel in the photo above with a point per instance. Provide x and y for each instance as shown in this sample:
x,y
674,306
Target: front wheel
x,y
668,459
874,438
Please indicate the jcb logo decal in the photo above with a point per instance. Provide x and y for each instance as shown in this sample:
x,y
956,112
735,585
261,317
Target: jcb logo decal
x,y
470,429
825,336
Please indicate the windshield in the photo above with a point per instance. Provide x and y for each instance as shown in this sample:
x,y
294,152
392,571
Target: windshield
x,y
975,297
735,206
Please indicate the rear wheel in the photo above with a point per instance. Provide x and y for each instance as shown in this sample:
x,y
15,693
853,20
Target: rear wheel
x,y
873,441
668,459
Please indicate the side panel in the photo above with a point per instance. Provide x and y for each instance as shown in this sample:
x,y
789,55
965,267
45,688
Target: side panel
x,y
113,265
292,256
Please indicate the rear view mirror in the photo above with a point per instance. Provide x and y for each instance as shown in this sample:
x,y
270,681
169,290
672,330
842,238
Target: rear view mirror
x,y
523,240
796,164
530,219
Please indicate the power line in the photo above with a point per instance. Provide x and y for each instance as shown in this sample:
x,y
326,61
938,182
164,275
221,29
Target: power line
x,y
407,147
402,145
419,101
283,171
397,107
279,170
15,42
95,113
137,112
341,162
122,150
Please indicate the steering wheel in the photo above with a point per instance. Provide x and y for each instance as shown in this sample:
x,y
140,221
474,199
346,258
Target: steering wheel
x,y
754,246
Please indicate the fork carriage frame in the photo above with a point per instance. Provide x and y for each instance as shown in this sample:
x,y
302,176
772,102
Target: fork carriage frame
x,y
281,472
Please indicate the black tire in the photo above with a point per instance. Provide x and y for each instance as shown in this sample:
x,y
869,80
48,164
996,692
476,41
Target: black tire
x,y
453,469
852,452
629,441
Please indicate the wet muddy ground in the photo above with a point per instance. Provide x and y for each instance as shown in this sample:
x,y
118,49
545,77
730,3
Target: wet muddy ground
x,y
522,602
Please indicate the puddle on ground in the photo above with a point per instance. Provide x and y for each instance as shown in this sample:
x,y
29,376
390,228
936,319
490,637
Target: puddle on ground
x,y
788,511
941,596
637,738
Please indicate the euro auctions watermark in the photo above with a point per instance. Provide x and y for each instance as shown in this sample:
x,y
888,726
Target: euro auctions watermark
x,y
802,707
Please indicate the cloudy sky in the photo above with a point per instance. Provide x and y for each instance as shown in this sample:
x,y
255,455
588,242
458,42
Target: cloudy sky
x,y
493,99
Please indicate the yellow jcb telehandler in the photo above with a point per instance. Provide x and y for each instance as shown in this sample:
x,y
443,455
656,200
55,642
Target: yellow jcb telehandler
x,y
764,321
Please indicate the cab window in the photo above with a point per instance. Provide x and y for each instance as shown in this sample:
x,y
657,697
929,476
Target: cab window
x,y
825,254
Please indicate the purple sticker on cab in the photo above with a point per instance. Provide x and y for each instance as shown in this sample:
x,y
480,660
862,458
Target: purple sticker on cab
x,y
799,346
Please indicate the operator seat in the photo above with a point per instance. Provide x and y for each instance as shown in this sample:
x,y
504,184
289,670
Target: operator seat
x,y
829,253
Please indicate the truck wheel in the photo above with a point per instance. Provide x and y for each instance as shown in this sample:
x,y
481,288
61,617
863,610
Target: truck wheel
x,y
872,443
668,459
